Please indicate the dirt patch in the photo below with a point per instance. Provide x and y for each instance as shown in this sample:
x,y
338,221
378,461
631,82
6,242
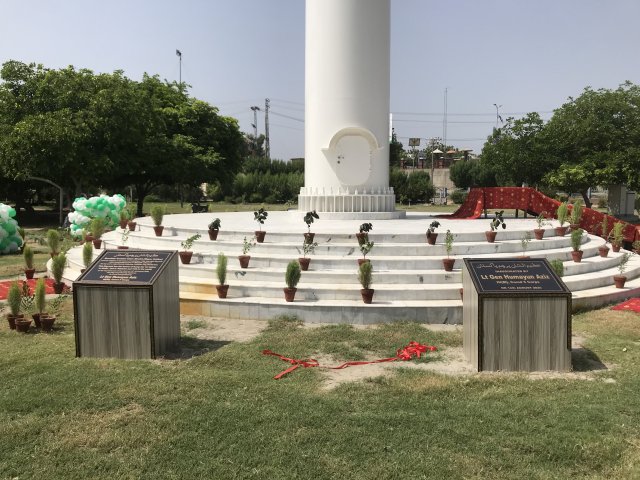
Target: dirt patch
x,y
222,329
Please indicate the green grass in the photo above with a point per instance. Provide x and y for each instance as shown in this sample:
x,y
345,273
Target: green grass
x,y
220,415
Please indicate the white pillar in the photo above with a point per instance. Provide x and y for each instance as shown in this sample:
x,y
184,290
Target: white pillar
x,y
347,95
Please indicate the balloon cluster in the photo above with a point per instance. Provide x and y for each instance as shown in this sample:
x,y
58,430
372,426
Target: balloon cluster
x,y
10,239
87,209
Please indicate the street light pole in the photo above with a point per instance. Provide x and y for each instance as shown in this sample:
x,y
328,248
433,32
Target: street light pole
x,y
179,54
498,117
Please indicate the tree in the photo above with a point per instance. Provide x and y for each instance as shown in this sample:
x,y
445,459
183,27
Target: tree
x,y
396,151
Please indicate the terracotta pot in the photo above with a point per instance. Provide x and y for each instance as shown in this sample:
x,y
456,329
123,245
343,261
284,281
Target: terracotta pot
x,y
122,247
88,237
158,230
577,256
619,280
36,318
123,224
448,264
491,236
53,254
47,323
97,244
308,237
12,320
615,248
244,261
29,273
213,234
58,287
538,233
603,251
185,257
431,238
367,295
574,226
363,260
23,325
289,293
222,290
260,236
132,225
560,231
304,263
362,237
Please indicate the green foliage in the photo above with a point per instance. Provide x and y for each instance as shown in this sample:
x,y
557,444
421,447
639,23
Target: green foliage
x,y
524,241
14,297
622,265
267,187
87,254
473,173
396,151
58,264
221,268
366,247
292,274
604,227
557,267
616,235
215,224
576,239
97,227
448,242
157,213
124,214
458,196
576,212
53,240
412,187
365,275
309,217
541,221
39,294
366,227
188,243
247,245
260,216
562,213
27,253
432,227
497,221
308,248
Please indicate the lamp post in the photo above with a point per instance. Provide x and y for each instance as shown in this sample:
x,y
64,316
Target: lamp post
x,y
179,54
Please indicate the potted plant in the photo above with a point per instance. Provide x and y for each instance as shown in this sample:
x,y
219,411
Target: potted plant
x,y
157,214
603,250
124,239
291,278
365,248
576,242
29,269
557,267
448,246
87,255
562,213
58,264
124,218
39,299
186,254
132,215
23,323
620,280
541,221
97,227
497,221
246,247
431,232
576,215
363,234
214,228
14,297
221,270
365,277
307,248
260,216
55,310
636,246
308,219
524,241
617,237
53,242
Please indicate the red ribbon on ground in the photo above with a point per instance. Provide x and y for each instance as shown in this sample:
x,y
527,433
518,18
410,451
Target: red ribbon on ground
x,y
413,349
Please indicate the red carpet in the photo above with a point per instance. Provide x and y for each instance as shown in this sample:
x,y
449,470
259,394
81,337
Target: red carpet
x,y
631,305
4,286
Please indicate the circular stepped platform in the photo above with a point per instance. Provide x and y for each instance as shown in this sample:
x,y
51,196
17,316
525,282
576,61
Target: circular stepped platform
x,y
409,279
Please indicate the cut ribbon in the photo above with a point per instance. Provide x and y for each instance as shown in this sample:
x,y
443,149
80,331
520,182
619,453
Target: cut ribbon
x,y
413,349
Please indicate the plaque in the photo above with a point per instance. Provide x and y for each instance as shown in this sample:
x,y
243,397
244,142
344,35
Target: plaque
x,y
126,266
520,276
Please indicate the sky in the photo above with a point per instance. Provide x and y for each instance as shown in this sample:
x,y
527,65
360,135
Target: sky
x,y
521,55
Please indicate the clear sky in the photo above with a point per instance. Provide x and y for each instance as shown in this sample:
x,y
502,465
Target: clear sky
x,y
524,55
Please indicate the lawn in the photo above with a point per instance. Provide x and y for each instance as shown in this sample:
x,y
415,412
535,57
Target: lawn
x,y
220,414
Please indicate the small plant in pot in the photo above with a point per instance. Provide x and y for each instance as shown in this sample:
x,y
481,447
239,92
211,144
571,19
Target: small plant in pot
x,y
365,248
124,239
307,249
308,219
576,215
524,242
186,253
97,227
576,242
29,269
603,250
636,246
617,236
221,271
260,216
58,264
448,246
132,224
541,221
562,213
363,234
498,221
247,245
214,228
55,310
87,255
291,278
157,214
39,299
14,298
23,322
124,218
557,267
365,277
53,242
431,232
620,279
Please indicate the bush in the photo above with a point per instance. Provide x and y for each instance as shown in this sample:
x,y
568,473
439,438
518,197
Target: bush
x,y
152,197
293,274
458,196
602,203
